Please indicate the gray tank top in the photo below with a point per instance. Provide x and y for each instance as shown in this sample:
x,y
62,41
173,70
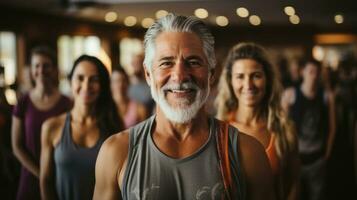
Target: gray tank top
x,y
150,174
75,166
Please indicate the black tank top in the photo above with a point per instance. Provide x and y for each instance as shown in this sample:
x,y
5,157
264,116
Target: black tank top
x,y
311,120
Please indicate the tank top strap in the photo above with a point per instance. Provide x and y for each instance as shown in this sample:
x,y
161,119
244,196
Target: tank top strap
x,y
236,165
137,134
66,133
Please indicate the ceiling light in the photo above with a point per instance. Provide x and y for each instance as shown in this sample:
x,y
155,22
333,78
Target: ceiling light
x,y
255,20
289,10
294,19
130,21
339,19
242,12
147,22
201,13
161,13
111,17
222,21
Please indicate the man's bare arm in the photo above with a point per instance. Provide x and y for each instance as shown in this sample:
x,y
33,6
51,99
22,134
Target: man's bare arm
x,y
257,170
110,161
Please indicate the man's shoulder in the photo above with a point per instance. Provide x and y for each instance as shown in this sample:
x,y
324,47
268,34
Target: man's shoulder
x,y
120,141
116,142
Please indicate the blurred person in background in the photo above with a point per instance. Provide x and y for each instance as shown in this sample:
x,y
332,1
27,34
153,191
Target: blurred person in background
x,y
131,111
71,141
294,72
312,108
249,99
9,168
139,90
342,155
43,101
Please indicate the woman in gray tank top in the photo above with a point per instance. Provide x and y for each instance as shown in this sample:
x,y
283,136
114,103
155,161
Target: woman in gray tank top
x,y
71,141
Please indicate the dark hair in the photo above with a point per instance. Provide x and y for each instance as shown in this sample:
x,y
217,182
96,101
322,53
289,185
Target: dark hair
x,y
122,71
107,116
45,51
313,61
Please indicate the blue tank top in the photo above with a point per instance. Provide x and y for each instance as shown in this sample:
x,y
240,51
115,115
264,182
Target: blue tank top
x,y
75,166
150,174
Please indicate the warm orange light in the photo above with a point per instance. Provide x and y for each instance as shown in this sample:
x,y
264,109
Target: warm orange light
x,y
335,38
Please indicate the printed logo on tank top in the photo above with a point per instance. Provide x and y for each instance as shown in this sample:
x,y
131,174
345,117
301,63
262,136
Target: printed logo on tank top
x,y
215,192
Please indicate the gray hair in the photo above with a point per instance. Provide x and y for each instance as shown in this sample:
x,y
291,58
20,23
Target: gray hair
x,y
178,23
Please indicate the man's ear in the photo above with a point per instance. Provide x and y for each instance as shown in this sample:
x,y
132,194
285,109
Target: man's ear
x,y
147,75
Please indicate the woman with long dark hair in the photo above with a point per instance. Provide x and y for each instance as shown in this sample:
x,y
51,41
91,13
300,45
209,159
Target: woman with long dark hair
x,y
71,141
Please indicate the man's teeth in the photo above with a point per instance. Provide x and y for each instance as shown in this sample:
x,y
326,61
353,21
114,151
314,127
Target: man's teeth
x,y
180,91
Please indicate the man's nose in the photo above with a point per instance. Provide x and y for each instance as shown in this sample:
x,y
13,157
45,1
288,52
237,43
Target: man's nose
x,y
180,72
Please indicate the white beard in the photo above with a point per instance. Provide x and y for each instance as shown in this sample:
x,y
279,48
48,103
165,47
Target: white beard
x,y
184,112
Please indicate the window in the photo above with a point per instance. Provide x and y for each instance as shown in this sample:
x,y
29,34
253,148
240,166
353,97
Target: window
x,y
8,64
128,48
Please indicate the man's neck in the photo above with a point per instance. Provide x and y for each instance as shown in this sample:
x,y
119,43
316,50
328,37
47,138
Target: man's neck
x,y
181,131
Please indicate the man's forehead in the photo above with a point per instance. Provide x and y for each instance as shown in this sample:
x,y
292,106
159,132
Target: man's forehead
x,y
173,42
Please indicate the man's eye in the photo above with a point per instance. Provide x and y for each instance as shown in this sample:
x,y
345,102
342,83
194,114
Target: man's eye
x,y
193,63
165,64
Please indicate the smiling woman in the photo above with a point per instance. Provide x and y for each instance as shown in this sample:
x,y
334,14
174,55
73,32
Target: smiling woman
x,y
71,141
249,99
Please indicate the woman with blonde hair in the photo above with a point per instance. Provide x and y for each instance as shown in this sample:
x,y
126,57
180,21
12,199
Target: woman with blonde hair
x,y
249,98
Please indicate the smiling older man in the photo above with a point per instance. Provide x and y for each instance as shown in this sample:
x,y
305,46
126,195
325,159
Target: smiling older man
x,y
181,152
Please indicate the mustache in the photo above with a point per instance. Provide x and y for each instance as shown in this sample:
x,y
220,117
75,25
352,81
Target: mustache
x,y
180,86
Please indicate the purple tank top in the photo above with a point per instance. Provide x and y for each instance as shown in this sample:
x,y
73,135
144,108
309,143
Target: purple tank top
x,y
32,120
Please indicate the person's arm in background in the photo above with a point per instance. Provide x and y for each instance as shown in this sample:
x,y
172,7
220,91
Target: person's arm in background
x,y
50,132
332,124
258,174
287,99
18,146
